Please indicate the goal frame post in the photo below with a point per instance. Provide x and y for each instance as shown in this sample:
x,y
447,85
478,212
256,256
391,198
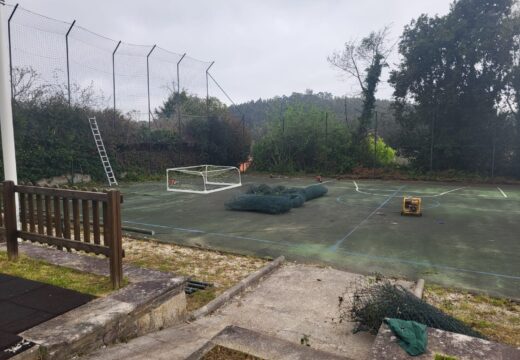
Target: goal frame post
x,y
205,172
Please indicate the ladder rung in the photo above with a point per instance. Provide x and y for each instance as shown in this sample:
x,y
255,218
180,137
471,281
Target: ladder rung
x,y
109,172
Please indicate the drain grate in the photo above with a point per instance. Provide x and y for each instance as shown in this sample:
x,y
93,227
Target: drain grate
x,y
194,286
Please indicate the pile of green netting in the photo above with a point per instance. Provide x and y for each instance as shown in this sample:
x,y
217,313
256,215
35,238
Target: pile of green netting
x,y
274,199
371,303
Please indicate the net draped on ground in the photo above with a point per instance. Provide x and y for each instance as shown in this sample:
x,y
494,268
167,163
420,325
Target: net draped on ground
x,y
370,304
274,199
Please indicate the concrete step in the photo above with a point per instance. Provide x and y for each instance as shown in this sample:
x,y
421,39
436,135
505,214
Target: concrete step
x,y
262,345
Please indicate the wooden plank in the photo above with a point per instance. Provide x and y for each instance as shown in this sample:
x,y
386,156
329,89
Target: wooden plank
x,y
86,220
48,215
75,219
57,217
95,221
39,213
71,194
66,219
23,211
116,251
106,235
31,212
72,244
9,203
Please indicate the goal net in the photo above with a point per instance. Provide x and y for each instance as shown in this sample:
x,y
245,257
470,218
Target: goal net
x,y
202,179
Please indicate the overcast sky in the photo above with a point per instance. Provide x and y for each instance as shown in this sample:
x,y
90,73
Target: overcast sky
x,y
261,48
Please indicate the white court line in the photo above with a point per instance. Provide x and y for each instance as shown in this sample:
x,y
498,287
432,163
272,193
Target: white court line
x,y
447,192
503,193
420,194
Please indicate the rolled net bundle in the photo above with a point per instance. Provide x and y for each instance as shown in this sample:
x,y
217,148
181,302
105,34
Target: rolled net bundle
x,y
370,304
267,204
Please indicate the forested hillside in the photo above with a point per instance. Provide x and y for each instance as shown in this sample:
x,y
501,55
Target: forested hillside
x,y
346,109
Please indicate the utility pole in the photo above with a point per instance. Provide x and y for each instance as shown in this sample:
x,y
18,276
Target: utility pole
x,y
6,110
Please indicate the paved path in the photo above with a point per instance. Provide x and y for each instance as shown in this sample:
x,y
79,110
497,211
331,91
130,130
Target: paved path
x,y
294,301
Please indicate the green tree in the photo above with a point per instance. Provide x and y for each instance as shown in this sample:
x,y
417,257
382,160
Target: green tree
x,y
303,139
450,85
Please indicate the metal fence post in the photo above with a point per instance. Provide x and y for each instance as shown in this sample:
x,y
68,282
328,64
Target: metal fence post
x,y
207,88
67,54
432,125
375,148
114,81
10,49
494,149
148,84
179,105
326,125
149,110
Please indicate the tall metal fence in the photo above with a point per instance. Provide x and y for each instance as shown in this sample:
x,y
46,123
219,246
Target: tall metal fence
x,y
89,67
129,87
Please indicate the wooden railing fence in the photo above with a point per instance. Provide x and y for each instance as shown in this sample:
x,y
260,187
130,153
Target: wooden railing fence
x,y
68,219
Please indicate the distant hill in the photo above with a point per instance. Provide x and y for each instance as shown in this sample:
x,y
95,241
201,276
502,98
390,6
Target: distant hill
x,y
257,112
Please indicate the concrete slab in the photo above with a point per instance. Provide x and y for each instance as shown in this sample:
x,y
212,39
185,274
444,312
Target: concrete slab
x,y
153,300
459,346
262,346
294,301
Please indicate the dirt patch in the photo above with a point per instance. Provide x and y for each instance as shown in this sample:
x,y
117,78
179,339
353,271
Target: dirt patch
x,y
221,269
223,353
496,318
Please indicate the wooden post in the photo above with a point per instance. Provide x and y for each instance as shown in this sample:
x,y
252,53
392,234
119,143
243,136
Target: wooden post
x,y
113,229
10,220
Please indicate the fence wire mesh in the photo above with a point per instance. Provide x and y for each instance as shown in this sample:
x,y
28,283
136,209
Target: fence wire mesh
x,y
61,54
144,96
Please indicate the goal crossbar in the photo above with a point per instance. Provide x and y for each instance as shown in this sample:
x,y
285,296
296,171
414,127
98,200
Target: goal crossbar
x,y
202,179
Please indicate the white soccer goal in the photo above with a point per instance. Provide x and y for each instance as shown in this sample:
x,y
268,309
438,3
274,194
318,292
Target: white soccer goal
x,y
202,179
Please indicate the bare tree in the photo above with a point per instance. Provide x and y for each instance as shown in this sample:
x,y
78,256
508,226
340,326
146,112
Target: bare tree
x,y
364,60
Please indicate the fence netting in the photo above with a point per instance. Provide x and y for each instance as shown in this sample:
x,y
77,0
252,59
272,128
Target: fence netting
x,y
145,98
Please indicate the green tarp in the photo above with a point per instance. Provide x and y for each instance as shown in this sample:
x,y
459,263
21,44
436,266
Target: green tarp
x,y
412,335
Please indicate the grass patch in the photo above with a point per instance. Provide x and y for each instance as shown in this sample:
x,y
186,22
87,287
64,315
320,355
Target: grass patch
x,y
444,357
222,269
496,318
200,298
63,277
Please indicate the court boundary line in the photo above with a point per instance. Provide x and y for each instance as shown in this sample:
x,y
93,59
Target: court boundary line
x,y
502,191
420,194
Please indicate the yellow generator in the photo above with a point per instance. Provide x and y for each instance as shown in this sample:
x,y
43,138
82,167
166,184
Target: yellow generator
x,y
411,206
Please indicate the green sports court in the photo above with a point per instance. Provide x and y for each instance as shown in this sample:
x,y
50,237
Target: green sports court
x,y
467,236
